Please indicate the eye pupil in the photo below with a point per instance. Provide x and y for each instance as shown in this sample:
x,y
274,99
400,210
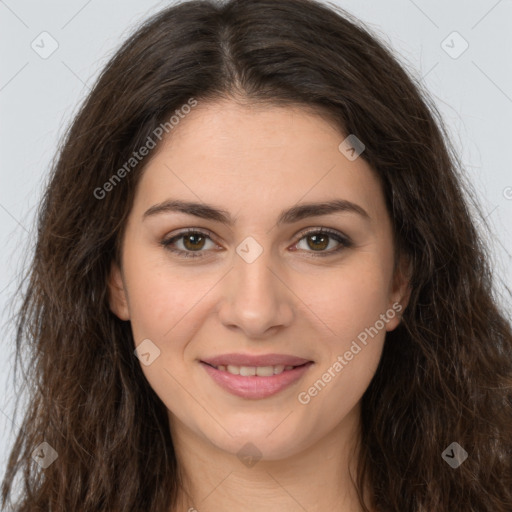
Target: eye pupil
x,y
316,238
194,237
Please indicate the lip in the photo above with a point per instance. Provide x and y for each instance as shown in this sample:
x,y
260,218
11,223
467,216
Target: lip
x,y
255,360
255,387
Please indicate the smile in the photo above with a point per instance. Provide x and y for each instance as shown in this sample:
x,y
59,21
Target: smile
x,y
249,371
255,382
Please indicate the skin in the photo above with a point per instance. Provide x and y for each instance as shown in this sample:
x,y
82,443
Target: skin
x,y
254,162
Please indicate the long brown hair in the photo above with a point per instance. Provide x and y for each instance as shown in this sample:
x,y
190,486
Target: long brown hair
x,y
446,372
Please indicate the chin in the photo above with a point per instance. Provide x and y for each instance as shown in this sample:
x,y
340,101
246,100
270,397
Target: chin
x,y
265,443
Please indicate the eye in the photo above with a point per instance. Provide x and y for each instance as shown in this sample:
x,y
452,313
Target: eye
x,y
319,240
194,240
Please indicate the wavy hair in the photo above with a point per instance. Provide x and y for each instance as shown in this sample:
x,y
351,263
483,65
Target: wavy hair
x,y
445,373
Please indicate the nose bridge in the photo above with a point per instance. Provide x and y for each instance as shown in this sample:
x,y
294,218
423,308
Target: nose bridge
x,y
255,300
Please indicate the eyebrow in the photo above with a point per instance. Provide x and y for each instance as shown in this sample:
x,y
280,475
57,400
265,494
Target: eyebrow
x,y
289,216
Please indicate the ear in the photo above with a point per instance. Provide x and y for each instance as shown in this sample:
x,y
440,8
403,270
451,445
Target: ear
x,y
117,293
400,293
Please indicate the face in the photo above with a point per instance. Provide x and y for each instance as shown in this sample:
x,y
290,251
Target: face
x,y
250,280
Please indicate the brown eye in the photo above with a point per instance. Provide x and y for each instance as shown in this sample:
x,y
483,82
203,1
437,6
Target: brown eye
x,y
318,241
193,242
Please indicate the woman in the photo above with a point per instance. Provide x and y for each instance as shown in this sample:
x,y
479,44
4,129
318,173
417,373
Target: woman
x,y
257,284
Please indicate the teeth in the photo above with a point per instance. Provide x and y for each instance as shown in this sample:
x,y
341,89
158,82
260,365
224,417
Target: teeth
x,y
265,371
249,371
280,369
235,370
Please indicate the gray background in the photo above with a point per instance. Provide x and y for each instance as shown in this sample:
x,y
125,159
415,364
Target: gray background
x,y
38,98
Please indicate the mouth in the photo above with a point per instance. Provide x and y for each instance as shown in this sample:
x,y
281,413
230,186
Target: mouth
x,y
255,377
252,371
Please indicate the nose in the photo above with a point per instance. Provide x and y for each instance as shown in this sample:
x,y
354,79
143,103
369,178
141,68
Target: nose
x,y
255,298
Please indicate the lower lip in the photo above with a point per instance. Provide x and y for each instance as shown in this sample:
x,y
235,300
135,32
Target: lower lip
x,y
255,387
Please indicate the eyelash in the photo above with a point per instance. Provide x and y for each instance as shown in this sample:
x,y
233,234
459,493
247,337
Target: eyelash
x,y
344,242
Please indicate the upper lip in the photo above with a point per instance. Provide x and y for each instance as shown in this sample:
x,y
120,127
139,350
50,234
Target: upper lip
x,y
255,360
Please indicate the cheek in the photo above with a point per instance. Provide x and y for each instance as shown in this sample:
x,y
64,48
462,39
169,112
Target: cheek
x,y
348,301
353,307
163,297
163,308
349,351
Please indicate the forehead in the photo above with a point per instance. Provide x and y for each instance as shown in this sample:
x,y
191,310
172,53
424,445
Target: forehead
x,y
256,157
